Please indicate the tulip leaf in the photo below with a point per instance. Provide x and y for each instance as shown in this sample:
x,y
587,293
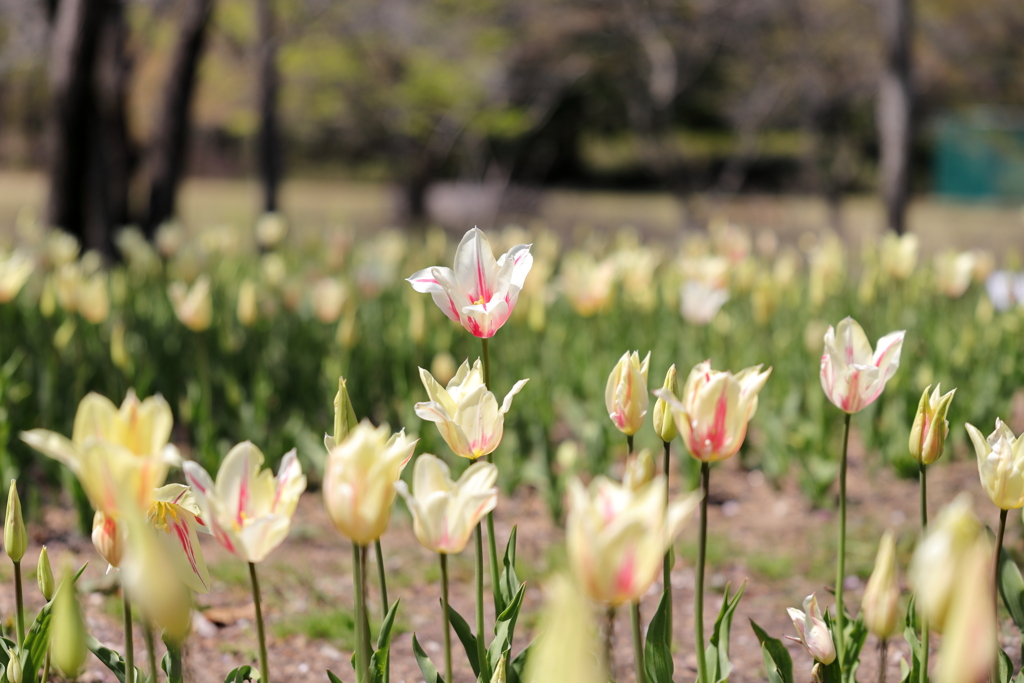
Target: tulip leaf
x,y
1004,667
427,667
658,649
773,651
379,659
332,678
854,636
466,637
1011,586
111,659
37,640
242,674
717,653
518,665
913,673
508,582
504,629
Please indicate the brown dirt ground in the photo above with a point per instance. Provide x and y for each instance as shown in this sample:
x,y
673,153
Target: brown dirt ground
x,y
770,537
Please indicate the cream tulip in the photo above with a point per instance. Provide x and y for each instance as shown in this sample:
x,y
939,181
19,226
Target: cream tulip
x,y
466,413
108,538
444,512
94,298
248,511
899,254
567,640
715,409
851,374
587,284
880,606
247,309
930,429
813,632
699,303
359,480
661,417
970,643
625,393
617,537
176,518
15,270
954,272
193,306
1000,465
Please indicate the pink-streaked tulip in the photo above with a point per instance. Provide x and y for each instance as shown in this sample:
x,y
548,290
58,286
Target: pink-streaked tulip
x,y
880,606
175,516
359,480
813,632
1000,465
192,305
851,374
930,429
715,409
625,394
480,292
699,303
617,537
108,537
466,413
970,643
445,512
248,511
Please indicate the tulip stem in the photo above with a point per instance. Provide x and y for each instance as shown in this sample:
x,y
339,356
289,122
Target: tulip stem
x,y
481,637
698,601
384,606
260,633
174,669
666,588
362,646
995,561
638,643
46,668
487,362
147,634
492,548
923,469
447,623
129,639
19,603
841,561
609,636
923,478
629,444
883,651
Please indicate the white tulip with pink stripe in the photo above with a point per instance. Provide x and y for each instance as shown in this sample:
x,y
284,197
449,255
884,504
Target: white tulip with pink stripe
x,y
853,375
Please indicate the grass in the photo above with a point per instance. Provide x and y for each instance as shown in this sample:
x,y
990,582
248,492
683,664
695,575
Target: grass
x,y
773,566
336,625
230,572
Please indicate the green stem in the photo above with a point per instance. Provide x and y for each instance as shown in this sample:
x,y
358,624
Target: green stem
x,y
666,588
147,634
19,603
385,607
638,644
841,562
609,636
629,444
129,639
260,633
698,602
447,622
362,660
481,637
174,671
492,546
883,650
923,478
995,561
46,667
925,636
487,362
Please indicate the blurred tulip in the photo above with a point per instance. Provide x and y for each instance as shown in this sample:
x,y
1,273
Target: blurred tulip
x,y
273,270
61,248
984,264
899,255
625,393
700,303
175,516
108,537
344,417
880,606
617,537
140,255
954,272
567,642
119,355
661,416
443,367
44,575
480,292
169,238
247,310
15,270
930,428
67,631
1004,289
271,229
851,375
636,267
640,470
715,409
444,512
969,645
466,413
359,480
710,271
193,306
328,300
730,240
587,284
827,268
67,283
813,632
1000,465
94,298
247,509
15,534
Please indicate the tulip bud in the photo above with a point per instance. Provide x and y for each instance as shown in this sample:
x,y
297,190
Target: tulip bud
x,y
882,594
625,394
44,575
928,435
639,470
813,632
664,423
344,415
247,309
1000,465
14,672
108,539
499,675
15,536
67,634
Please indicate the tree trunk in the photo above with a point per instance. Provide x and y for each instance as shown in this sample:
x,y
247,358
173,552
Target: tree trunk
x,y
167,155
269,151
895,109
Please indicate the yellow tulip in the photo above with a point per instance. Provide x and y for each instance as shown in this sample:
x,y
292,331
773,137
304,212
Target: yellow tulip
x,y
968,650
193,306
359,480
588,285
880,605
1000,465
466,413
94,298
617,537
625,394
566,647
248,511
715,409
930,429
175,517
853,376
271,229
664,423
445,512
328,299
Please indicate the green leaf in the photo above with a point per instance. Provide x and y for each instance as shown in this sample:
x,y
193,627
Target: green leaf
x,y
518,665
855,635
37,640
717,654
427,667
110,659
658,649
774,674
508,582
913,673
332,678
775,650
379,659
1011,587
243,673
504,630
1004,668
466,637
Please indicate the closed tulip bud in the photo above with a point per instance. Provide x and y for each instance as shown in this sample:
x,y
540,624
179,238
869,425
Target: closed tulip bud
x,y
625,394
499,675
969,645
67,633
108,539
899,254
44,575
661,416
14,671
15,535
928,434
813,632
880,606
853,376
1000,465
639,470
344,416
193,306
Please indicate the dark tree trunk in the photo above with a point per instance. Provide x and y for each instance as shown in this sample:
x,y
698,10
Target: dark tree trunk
x,y
895,109
269,151
167,155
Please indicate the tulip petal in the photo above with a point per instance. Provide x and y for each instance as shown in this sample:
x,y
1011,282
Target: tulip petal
x,y
439,283
516,388
475,268
56,446
452,433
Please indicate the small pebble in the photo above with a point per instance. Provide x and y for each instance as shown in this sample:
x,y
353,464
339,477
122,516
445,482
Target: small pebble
x,y
432,646
331,653
303,668
755,478
730,508
851,582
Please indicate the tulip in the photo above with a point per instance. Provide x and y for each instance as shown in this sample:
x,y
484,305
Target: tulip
x,y
661,416
969,646
344,417
899,254
699,303
480,292
175,515
625,394
466,413
954,272
880,606
61,248
193,306
328,299
15,270
851,375
444,512
812,631
567,640
715,408
827,266
67,284
247,310
271,229
15,674
639,470
15,535
67,633
44,575
935,569
617,537
928,434
588,285
94,298
248,511
359,480
108,537
1001,465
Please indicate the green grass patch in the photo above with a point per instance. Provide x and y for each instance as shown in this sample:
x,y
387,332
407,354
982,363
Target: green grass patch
x,y
230,572
771,566
337,625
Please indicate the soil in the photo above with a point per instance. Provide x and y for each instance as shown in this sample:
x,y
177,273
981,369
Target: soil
x,y
768,536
